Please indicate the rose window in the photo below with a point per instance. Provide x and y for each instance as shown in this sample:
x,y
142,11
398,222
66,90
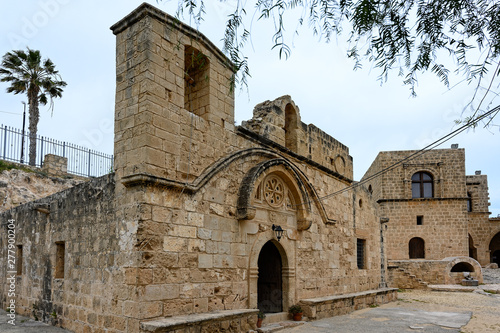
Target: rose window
x,y
274,191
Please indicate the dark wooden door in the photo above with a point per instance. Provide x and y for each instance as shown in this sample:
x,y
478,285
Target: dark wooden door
x,y
269,284
417,248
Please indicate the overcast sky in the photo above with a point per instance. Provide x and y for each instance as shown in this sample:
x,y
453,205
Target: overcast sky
x,y
350,105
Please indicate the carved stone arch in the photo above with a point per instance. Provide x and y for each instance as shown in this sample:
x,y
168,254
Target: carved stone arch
x,y
450,271
286,249
284,170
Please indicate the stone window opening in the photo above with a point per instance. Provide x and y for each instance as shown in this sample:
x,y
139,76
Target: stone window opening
x,y
196,81
291,128
469,202
420,220
416,248
361,253
19,260
60,254
422,185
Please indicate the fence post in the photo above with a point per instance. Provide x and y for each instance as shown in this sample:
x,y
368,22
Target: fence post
x,y
4,141
41,152
89,164
64,148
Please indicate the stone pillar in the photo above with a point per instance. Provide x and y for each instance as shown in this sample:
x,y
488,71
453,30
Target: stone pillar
x,y
55,165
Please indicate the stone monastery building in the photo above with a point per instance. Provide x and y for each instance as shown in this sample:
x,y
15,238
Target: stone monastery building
x,y
184,236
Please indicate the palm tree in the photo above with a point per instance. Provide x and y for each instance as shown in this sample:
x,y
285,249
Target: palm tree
x,y
29,74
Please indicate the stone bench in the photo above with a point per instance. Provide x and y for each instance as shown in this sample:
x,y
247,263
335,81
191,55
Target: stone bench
x,y
324,307
241,320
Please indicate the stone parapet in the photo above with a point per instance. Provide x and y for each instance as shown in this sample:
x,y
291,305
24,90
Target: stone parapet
x,y
324,307
242,320
415,274
55,165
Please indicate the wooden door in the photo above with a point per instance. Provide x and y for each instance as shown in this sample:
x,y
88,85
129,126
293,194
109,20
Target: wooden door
x,y
269,284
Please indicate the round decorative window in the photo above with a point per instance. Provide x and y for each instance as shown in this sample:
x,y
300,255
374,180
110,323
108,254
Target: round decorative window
x,y
339,164
274,191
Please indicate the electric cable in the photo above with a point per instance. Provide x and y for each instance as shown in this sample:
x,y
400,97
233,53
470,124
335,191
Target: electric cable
x,y
429,147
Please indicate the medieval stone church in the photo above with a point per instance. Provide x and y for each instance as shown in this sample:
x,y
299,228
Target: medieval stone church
x,y
203,222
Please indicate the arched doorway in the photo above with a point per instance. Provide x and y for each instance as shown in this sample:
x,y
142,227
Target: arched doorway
x,y
416,248
495,249
270,281
472,248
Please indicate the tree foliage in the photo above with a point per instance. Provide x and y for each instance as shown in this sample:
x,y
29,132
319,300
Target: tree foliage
x,y
38,78
407,36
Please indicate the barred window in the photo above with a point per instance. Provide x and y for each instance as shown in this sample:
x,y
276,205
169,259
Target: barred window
x,y
360,246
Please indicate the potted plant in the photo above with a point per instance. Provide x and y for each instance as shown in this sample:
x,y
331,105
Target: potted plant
x,y
296,312
260,317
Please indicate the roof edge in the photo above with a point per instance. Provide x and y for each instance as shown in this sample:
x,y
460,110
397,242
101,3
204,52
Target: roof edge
x,y
146,9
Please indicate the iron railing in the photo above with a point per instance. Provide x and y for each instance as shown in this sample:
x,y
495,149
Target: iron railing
x,y
14,147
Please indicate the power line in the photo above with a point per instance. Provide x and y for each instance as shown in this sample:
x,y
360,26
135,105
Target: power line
x,y
431,146
19,114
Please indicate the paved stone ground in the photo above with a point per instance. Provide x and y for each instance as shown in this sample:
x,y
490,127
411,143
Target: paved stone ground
x,y
415,311
26,325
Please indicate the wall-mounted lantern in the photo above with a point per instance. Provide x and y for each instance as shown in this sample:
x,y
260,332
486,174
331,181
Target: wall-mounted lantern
x,y
278,231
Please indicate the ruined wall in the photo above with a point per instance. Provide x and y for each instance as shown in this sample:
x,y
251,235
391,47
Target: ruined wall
x,y
279,121
18,187
440,221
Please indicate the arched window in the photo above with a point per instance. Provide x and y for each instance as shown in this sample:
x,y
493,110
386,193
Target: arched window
x,y
417,248
290,127
422,185
197,84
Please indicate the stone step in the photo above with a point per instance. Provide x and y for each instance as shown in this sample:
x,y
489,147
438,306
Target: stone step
x,y
276,317
274,327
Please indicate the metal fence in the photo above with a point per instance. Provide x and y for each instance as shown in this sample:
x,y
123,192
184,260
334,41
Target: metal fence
x,y
14,147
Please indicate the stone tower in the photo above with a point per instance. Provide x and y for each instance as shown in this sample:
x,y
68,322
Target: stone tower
x,y
173,98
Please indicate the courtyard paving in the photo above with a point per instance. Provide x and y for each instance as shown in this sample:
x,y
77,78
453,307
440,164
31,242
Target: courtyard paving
x,y
452,309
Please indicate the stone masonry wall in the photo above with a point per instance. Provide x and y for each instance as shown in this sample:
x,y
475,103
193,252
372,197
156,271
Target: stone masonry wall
x,y
79,295
154,133
272,120
481,229
443,217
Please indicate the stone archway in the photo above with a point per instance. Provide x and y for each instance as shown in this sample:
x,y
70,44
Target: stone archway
x,y
286,251
270,279
494,248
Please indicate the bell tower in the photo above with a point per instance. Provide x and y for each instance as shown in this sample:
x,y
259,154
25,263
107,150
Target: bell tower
x,y
173,87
